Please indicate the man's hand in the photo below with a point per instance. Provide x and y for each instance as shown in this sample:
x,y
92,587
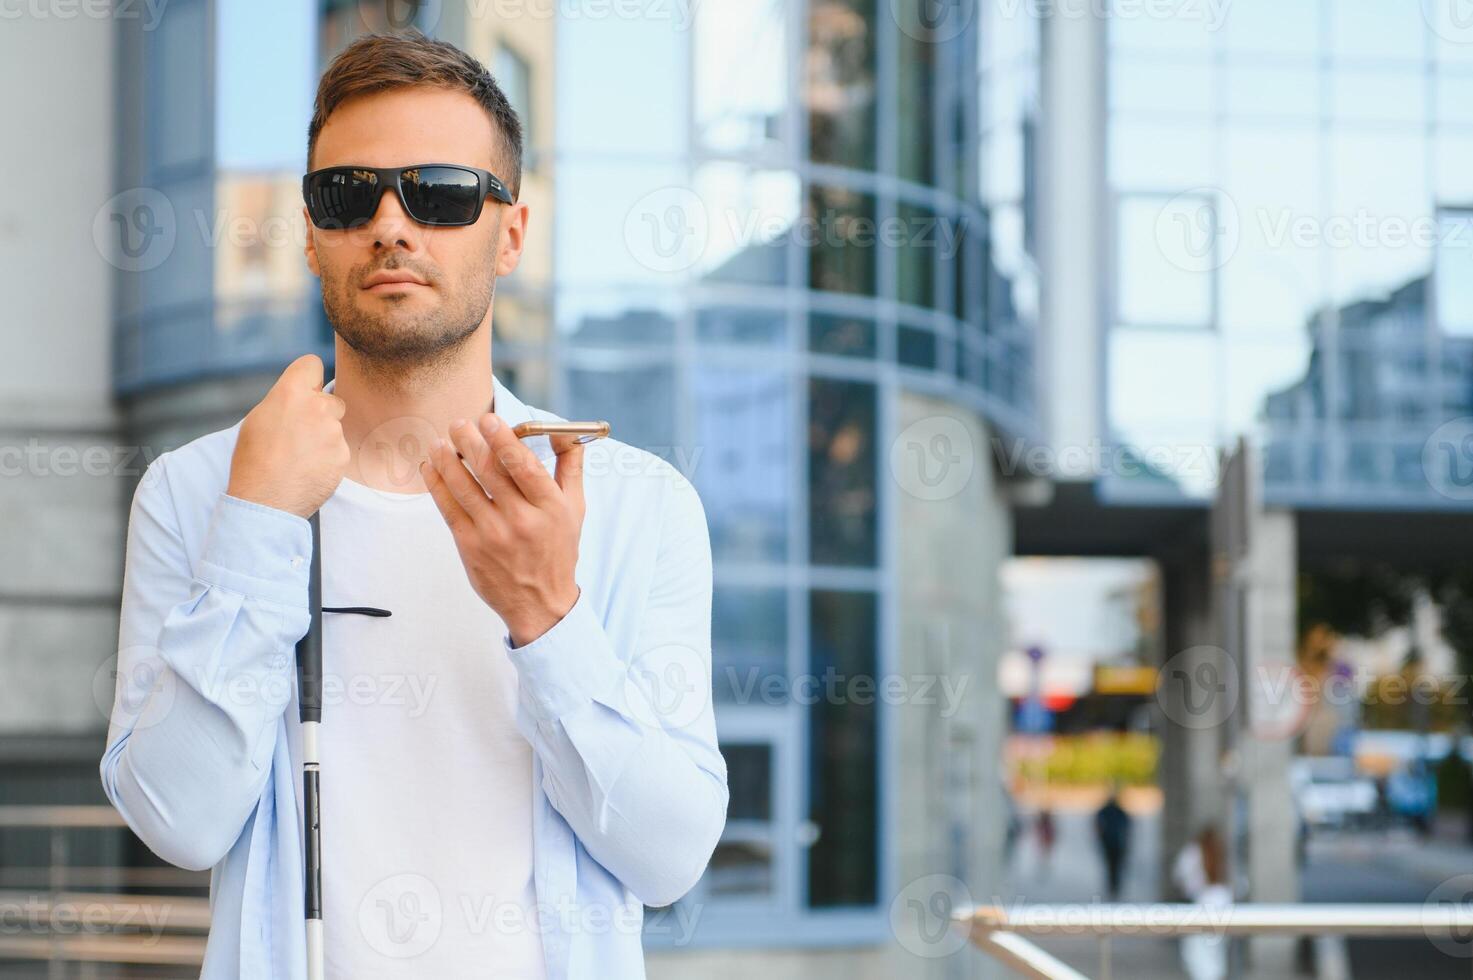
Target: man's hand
x,y
516,527
291,453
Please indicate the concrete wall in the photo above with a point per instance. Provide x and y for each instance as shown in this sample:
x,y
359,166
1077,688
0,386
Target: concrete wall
x,y
60,468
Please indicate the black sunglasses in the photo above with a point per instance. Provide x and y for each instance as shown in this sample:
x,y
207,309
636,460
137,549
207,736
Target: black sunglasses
x,y
432,193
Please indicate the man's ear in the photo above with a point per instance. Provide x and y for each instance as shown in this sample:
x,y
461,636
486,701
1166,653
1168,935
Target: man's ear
x,y
513,237
311,247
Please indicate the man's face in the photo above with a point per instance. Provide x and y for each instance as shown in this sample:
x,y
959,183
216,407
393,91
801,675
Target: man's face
x,y
405,324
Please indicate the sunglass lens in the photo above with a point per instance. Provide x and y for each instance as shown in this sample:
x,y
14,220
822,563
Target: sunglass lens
x,y
440,195
344,198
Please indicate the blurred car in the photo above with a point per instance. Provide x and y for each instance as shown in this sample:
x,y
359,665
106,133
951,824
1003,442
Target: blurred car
x,y
1411,793
1330,792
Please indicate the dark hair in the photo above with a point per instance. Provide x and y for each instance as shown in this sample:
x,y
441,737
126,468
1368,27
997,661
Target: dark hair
x,y
381,62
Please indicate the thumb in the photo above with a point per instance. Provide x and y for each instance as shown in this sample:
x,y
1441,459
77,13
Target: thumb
x,y
305,372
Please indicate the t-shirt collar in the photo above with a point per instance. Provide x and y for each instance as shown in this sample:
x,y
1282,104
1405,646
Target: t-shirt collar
x,y
504,402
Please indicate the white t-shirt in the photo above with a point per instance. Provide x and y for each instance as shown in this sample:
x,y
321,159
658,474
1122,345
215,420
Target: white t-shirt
x,y
426,782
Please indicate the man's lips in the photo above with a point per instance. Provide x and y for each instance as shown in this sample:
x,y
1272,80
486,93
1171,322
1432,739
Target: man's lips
x,y
394,285
386,280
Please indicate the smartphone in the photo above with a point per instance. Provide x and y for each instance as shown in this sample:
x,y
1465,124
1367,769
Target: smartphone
x,y
585,431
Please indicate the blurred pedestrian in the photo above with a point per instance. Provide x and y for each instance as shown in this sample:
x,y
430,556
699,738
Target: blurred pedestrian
x,y
1200,872
1048,834
1112,830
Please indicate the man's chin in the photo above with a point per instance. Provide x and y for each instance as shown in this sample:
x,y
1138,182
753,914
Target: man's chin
x,y
380,298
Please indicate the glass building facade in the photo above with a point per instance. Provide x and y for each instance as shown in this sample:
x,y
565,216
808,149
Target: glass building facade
x,y
1291,245
751,232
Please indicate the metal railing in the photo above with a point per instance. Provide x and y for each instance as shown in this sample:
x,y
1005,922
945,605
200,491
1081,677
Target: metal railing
x,y
1004,932
49,918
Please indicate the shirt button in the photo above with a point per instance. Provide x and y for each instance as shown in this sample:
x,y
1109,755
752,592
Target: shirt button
x,y
297,561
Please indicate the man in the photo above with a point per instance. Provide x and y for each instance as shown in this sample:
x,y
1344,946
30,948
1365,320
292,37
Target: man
x,y
522,754
1112,830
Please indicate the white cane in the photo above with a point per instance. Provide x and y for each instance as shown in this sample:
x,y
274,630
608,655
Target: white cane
x,y
309,695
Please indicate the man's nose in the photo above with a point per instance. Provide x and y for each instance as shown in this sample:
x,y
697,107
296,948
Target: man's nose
x,y
391,224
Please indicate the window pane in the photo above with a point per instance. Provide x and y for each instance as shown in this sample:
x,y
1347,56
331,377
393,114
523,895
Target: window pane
x,y
749,777
1457,378
841,473
742,863
916,347
179,88
831,333
916,256
840,87
608,64
741,70
747,232
1454,270
638,401
741,325
743,470
915,118
842,752
514,76
1168,250
841,228
749,647
614,319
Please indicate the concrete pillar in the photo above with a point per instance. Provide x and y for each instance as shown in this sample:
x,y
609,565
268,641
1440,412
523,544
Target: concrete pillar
x,y
1073,207
1190,716
1255,569
951,538
1271,826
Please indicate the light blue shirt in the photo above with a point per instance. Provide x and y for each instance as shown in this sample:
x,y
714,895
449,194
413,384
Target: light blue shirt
x,y
203,755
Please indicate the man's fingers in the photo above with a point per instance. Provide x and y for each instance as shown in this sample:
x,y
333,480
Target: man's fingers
x,y
471,444
517,461
339,407
569,472
455,515
462,486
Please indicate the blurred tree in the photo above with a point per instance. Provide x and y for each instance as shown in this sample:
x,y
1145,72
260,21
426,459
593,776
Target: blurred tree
x,y
1366,599
1356,598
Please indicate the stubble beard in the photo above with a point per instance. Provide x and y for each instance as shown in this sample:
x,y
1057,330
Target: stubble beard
x,y
400,340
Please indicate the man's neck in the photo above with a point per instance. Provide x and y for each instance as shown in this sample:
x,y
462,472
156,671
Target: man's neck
x,y
394,415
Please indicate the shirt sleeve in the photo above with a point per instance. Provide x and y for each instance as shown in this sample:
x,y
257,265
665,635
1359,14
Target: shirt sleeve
x,y
204,669
627,737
